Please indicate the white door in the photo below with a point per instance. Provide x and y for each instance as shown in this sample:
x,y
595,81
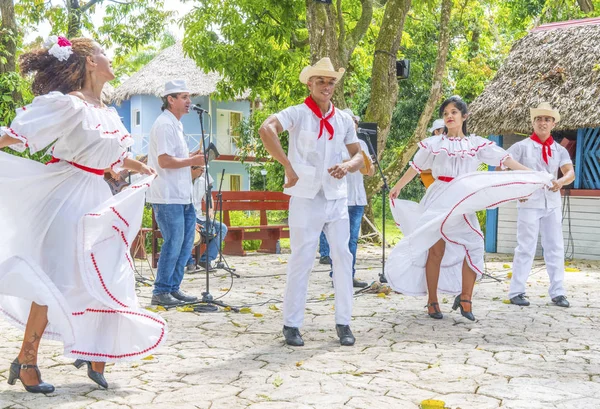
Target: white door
x,y
227,122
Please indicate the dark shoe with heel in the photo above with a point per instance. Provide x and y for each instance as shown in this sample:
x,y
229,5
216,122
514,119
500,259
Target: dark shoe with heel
x,y
97,377
457,304
436,314
345,335
292,336
15,373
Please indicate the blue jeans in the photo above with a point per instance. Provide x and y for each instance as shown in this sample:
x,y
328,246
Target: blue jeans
x,y
355,214
177,223
212,248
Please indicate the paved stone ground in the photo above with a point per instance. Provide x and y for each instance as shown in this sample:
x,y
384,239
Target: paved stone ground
x,y
541,356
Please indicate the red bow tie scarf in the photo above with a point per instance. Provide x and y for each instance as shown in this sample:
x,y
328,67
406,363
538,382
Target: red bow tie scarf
x,y
312,105
546,150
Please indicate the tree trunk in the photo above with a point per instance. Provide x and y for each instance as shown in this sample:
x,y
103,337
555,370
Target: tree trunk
x,y
328,37
586,5
74,11
393,171
384,84
8,42
8,39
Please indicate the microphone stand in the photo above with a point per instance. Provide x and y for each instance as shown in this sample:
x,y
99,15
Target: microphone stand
x,y
207,298
384,190
222,263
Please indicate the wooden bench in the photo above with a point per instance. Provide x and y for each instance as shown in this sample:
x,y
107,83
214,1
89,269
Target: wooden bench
x,y
249,201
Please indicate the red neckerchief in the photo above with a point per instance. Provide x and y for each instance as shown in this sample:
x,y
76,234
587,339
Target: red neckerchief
x,y
312,105
546,151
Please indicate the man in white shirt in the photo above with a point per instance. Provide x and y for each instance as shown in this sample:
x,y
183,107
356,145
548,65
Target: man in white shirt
x,y
171,194
217,230
315,180
357,200
541,213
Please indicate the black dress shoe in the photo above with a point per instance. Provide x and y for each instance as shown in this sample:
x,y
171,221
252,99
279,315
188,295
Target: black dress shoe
x,y
97,377
165,300
345,335
325,260
15,373
561,301
181,296
292,336
436,314
520,300
358,284
467,314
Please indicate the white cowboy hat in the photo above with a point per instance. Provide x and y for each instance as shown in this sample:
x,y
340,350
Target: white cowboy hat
x,y
356,118
437,124
544,109
174,87
323,68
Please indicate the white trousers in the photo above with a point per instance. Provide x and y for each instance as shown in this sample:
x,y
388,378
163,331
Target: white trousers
x,y
530,222
307,218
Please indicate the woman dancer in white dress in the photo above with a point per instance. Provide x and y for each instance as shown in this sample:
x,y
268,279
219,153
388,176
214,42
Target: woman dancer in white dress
x,y
65,271
444,248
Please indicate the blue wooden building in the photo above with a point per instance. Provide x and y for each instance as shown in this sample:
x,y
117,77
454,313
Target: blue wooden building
x,y
138,102
557,63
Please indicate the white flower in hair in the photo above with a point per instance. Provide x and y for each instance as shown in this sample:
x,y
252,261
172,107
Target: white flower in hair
x,y
59,47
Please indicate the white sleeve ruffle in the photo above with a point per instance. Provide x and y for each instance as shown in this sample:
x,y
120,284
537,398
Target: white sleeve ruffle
x,y
46,119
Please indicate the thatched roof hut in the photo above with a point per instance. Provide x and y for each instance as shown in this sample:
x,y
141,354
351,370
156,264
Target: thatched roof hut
x,y
170,64
558,63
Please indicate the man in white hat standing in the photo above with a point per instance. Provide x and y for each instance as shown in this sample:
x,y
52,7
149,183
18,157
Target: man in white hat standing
x,y
541,213
315,178
436,129
357,200
171,194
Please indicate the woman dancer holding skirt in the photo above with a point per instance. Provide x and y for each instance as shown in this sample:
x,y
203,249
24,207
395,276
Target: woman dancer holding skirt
x,y
65,269
444,248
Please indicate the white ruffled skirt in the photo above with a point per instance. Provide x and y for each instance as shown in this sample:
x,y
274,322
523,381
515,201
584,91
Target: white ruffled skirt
x,y
65,244
447,211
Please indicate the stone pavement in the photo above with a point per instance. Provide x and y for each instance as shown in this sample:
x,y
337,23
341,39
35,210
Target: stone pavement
x,y
540,356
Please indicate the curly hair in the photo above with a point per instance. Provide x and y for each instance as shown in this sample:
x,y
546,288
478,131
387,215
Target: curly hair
x,y
51,74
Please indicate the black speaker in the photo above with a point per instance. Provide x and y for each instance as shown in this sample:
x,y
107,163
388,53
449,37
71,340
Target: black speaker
x,y
402,69
367,131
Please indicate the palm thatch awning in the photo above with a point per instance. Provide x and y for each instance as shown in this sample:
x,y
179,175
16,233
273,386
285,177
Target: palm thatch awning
x,y
170,64
556,63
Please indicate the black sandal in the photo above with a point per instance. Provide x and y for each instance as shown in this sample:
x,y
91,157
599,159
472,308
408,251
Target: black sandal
x,y
457,303
15,373
436,314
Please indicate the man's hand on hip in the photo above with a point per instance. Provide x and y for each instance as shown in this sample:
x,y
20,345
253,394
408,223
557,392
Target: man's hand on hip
x,y
291,177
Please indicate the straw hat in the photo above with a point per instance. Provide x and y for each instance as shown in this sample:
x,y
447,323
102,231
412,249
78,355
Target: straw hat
x,y
322,68
174,87
544,109
356,118
437,124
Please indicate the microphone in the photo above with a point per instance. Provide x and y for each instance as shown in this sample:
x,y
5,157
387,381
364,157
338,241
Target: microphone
x,y
366,131
198,109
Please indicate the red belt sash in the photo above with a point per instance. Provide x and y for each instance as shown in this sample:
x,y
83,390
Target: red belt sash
x,y
99,172
445,178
